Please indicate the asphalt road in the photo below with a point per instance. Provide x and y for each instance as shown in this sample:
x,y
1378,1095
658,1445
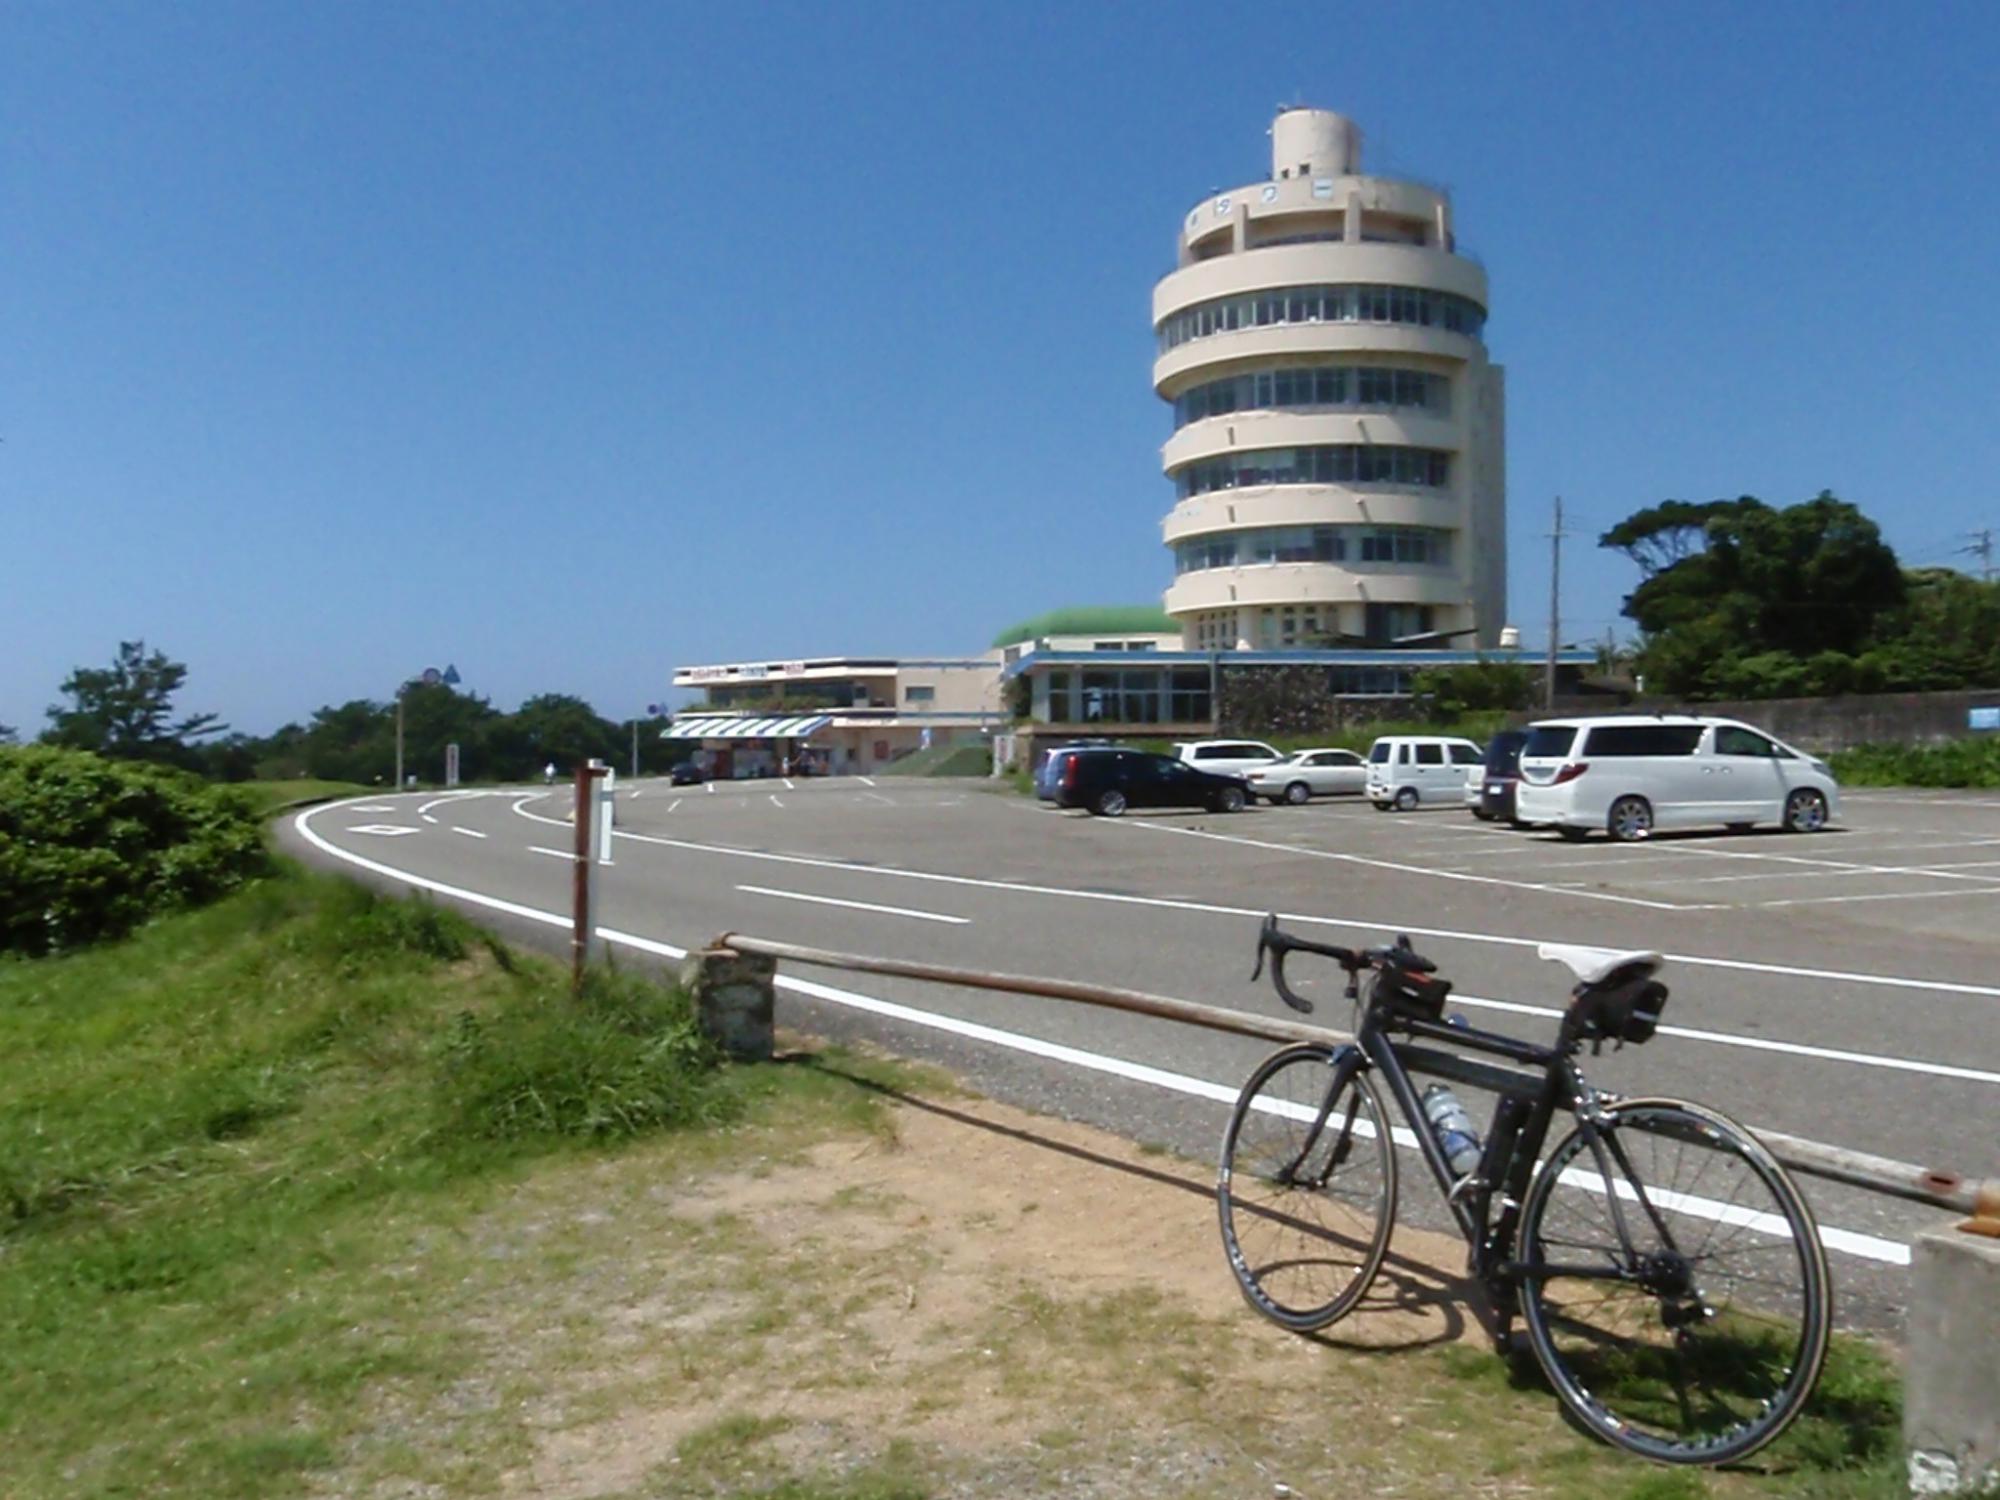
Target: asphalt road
x,y
1842,986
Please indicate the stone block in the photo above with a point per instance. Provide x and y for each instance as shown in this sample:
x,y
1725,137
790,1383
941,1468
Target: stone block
x,y
1951,1399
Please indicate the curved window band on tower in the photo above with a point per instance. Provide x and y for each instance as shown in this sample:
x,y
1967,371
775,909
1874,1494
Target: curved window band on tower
x,y
1421,546
1325,463
1365,386
1356,303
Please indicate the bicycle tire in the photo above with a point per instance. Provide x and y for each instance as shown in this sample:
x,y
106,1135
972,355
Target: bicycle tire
x,y
1305,1252
1718,1355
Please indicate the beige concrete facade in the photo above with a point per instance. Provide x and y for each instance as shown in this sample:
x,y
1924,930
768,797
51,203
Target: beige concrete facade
x,y
877,709
1339,443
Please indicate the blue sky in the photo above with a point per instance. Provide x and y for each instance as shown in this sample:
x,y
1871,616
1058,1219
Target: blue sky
x,y
568,343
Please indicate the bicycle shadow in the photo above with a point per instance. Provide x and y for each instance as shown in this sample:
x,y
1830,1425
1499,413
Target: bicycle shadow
x,y
1413,1303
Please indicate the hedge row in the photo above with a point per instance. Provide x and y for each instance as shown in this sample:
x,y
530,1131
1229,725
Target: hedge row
x,y
90,848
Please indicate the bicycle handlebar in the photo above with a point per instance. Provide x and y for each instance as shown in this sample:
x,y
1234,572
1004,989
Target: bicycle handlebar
x,y
1280,945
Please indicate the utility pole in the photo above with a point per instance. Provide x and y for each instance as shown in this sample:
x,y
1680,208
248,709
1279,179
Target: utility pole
x,y
1555,605
1982,548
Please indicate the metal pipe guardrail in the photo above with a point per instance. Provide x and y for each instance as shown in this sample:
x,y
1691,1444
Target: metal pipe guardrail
x,y
1878,1174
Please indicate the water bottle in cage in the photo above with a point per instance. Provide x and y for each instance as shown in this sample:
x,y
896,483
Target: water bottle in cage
x,y
1456,1134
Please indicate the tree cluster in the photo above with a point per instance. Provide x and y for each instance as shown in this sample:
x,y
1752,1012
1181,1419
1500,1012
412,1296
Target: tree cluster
x,y
125,712
1739,599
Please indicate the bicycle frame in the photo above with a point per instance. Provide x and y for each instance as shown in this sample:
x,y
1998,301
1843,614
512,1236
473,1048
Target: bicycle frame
x,y
1508,1161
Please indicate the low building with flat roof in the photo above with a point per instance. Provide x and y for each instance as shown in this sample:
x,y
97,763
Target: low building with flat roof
x,y
834,713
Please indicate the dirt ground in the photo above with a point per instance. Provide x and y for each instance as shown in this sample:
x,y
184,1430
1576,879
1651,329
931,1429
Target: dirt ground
x,y
968,1300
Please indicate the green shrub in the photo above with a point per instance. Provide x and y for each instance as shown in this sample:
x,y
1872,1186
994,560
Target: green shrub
x,y
1957,763
622,1057
91,848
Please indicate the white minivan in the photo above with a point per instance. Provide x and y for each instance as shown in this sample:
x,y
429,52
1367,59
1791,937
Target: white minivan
x,y
1228,757
1407,769
1633,773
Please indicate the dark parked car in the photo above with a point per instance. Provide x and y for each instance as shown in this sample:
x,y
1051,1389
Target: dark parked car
x,y
687,773
1490,792
1049,773
1109,781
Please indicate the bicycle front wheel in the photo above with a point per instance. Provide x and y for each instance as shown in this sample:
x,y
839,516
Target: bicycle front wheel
x,y
1673,1283
1307,1190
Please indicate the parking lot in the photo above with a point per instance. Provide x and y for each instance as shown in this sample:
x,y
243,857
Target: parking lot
x,y
1838,985
1922,850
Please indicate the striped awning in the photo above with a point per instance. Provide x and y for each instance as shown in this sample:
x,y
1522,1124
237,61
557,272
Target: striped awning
x,y
728,727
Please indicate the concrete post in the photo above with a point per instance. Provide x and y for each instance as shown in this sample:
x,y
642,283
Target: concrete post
x,y
1951,1416
733,995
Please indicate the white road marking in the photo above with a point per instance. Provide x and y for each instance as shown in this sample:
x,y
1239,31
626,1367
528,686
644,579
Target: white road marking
x,y
1760,1044
1387,864
877,796
384,830
1819,864
373,807
1868,1246
1378,925
788,783
894,911
558,853
1990,890
774,800
675,803
471,833
710,787
866,780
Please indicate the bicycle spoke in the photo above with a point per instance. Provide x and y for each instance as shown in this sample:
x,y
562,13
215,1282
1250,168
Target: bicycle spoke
x,y
1705,1347
1305,1229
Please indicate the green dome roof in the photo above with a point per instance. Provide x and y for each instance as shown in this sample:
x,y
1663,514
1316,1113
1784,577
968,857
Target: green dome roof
x,y
1092,619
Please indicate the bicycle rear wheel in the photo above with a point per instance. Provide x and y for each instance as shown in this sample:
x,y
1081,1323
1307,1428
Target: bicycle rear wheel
x,y
1696,1335
1307,1190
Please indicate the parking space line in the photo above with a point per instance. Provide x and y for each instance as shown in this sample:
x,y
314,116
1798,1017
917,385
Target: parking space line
x,y
1317,919
1990,890
894,911
1823,864
1386,864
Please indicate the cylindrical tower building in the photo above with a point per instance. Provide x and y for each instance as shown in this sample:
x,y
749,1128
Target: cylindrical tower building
x,y
1338,454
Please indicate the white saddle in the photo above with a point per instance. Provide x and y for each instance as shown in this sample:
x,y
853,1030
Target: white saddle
x,y
1592,965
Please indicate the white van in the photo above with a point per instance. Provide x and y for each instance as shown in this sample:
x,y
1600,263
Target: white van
x,y
1227,757
1407,769
1632,773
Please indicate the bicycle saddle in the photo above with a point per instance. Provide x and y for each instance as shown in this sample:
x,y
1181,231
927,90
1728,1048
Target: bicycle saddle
x,y
1595,965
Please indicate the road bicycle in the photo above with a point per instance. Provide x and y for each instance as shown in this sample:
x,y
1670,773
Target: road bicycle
x,y
1669,1274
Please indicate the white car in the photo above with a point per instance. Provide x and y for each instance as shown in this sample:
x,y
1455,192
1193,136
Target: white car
x,y
1632,773
1226,757
1309,773
1407,769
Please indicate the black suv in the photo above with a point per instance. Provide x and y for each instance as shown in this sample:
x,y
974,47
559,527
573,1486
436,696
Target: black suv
x,y
1496,783
1109,781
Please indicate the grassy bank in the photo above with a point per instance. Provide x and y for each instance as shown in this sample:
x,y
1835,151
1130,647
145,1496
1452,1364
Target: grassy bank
x,y
1960,763
234,1153
315,1193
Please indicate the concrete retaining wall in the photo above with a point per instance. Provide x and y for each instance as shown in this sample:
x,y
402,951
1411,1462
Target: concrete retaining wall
x,y
1824,725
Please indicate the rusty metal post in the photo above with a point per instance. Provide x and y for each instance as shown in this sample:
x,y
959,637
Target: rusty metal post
x,y
583,923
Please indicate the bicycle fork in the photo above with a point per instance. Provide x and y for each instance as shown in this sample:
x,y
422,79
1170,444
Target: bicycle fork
x,y
1289,1175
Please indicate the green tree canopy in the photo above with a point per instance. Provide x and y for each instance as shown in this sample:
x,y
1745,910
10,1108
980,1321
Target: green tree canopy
x,y
125,710
1737,595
